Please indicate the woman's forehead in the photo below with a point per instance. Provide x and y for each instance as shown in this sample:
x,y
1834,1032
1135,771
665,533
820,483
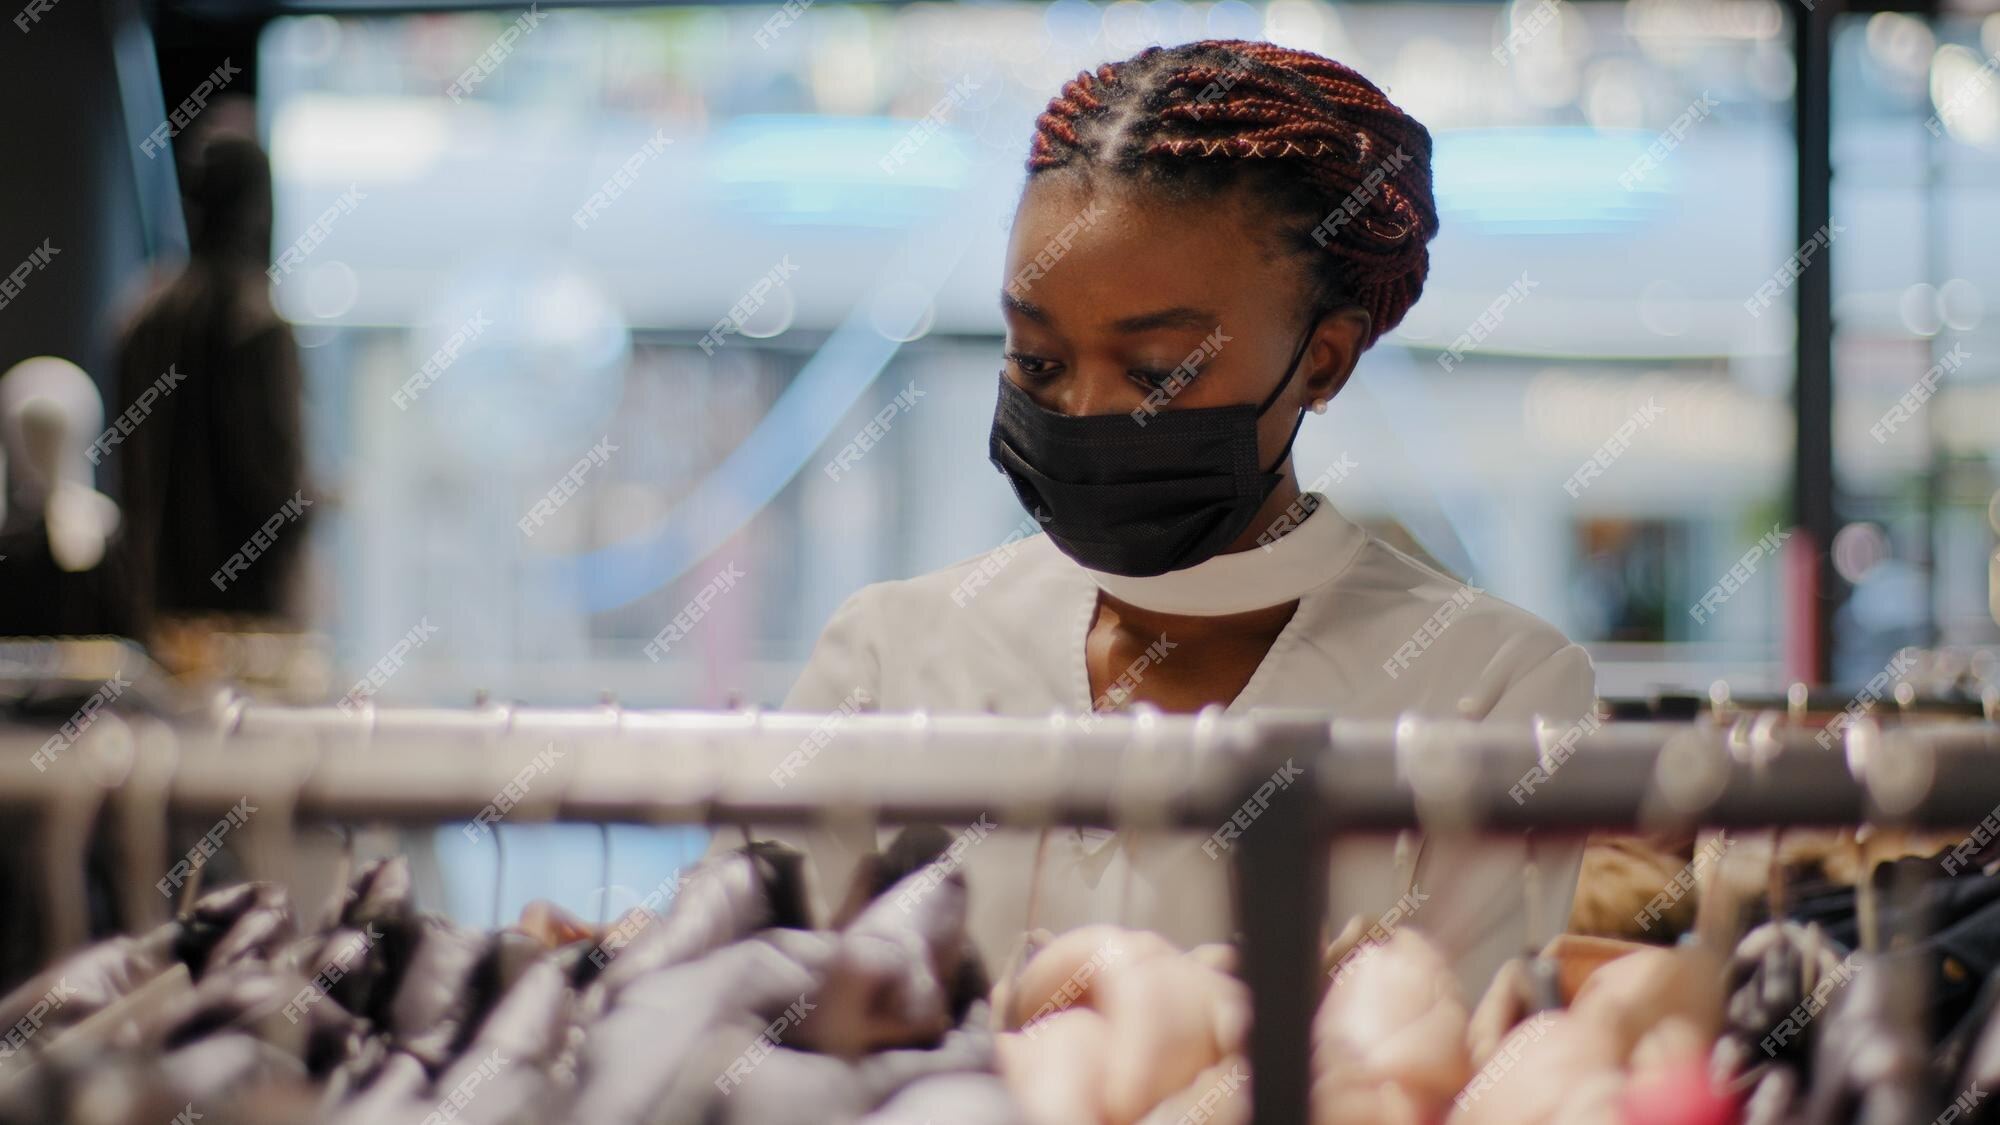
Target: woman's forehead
x,y
1123,251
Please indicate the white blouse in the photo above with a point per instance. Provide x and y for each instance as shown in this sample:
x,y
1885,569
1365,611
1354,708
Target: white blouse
x,y
1376,635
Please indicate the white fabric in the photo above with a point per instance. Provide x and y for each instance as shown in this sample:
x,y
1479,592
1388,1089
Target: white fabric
x,y
1015,646
1272,574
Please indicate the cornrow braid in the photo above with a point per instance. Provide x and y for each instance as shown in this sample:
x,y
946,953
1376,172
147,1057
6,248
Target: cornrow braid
x,y
1349,172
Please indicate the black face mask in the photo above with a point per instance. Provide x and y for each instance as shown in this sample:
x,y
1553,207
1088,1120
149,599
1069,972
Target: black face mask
x,y
1137,500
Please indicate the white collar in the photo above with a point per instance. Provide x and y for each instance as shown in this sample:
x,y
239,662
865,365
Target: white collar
x,y
1316,549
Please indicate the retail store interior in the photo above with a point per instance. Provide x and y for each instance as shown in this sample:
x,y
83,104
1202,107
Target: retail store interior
x,y
521,599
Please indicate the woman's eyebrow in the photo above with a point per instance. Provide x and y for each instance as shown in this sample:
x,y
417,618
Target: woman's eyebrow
x,y
1179,316
1025,307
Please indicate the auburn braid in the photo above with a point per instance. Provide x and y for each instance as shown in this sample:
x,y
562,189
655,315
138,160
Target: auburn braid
x,y
1348,170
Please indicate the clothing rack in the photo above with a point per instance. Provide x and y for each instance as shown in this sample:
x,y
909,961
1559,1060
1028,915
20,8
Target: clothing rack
x,y
1146,770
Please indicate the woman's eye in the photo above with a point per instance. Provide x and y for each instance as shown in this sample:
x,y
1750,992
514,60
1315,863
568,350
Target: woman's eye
x,y
1171,379
1034,367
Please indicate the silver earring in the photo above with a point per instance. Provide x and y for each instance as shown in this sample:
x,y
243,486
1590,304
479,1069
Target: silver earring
x,y
1319,407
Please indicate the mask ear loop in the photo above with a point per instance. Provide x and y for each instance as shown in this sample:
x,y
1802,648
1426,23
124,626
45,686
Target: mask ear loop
x,y
1291,369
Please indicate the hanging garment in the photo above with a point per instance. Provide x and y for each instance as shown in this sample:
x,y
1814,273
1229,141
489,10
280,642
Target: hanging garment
x,y
393,1015
1947,925
1005,631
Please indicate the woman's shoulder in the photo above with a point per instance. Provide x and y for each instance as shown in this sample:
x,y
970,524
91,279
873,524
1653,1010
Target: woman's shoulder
x,y
994,580
912,642
1421,618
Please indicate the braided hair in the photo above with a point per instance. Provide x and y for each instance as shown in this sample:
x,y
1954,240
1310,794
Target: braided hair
x,y
1345,170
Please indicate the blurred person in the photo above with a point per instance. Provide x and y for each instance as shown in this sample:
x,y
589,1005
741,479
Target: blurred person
x,y
209,382
1210,237
59,572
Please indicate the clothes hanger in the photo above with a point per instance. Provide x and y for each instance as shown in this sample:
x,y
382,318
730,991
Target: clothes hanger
x,y
144,835
1053,750
609,699
65,827
1544,978
755,715
1141,757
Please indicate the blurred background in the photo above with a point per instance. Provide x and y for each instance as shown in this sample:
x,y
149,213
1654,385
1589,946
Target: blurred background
x,y
511,234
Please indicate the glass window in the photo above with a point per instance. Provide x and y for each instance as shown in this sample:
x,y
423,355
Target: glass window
x,y
513,239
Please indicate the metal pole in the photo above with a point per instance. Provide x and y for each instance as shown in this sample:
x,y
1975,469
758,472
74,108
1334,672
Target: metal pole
x,y
1817,588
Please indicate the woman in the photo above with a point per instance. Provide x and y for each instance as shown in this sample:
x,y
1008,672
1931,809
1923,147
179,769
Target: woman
x,y
1210,237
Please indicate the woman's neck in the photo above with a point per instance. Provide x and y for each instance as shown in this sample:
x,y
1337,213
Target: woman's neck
x,y
1271,519
1267,621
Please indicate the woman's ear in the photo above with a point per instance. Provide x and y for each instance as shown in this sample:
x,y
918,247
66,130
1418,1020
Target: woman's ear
x,y
1337,346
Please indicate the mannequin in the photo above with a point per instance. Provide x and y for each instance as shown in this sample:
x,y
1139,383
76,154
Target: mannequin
x,y
57,530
